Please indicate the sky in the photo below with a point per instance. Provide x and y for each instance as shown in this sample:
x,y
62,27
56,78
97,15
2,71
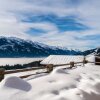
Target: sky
x,y
65,23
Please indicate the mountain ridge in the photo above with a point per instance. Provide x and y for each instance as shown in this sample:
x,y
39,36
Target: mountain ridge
x,y
16,47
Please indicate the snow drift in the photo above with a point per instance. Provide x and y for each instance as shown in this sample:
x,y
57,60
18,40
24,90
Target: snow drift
x,y
81,83
16,83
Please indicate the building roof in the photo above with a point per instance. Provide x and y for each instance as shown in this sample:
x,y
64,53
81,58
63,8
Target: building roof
x,y
61,59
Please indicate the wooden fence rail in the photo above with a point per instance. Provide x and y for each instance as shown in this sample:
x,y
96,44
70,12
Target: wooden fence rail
x,y
49,68
22,70
4,72
67,64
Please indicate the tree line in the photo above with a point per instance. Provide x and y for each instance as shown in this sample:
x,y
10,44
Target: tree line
x,y
21,66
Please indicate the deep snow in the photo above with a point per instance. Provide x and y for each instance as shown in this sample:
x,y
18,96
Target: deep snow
x,y
80,83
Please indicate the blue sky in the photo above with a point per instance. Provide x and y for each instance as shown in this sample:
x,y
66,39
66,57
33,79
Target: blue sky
x,y
66,23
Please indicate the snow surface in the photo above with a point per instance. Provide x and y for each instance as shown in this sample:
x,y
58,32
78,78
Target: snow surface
x,y
80,83
16,83
61,59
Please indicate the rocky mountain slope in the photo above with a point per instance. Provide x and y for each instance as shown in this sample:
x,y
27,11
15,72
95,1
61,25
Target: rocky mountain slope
x,y
15,47
95,51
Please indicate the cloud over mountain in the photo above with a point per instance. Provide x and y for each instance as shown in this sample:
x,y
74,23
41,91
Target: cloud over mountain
x,y
54,22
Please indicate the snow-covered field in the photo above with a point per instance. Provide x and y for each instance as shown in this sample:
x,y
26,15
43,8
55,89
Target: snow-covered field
x,y
12,61
79,83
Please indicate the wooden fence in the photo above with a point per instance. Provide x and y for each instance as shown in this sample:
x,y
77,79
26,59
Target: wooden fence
x,y
48,68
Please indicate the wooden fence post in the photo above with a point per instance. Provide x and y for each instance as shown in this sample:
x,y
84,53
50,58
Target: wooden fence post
x,y
85,61
2,70
72,64
49,68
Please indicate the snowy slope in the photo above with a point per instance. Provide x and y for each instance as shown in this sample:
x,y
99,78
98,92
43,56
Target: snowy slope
x,y
95,51
81,83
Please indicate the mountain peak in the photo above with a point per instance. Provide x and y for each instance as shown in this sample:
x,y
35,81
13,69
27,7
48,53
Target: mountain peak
x,y
16,47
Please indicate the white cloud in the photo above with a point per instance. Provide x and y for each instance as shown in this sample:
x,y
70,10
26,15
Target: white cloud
x,y
87,11
66,39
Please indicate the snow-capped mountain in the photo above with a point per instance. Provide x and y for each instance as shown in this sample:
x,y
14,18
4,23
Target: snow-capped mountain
x,y
98,51
15,47
95,51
